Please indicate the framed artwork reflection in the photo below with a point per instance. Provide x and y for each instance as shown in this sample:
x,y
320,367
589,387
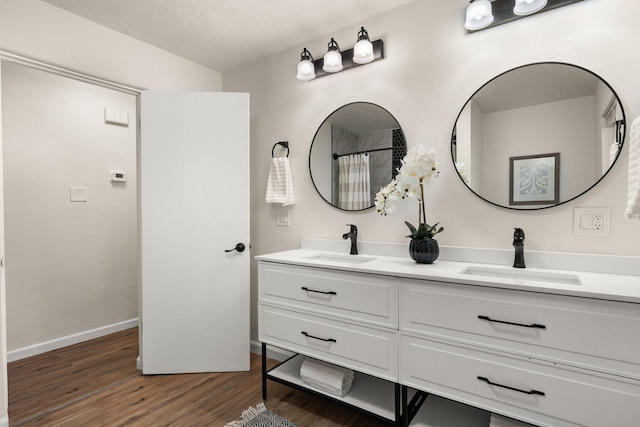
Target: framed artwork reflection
x,y
534,180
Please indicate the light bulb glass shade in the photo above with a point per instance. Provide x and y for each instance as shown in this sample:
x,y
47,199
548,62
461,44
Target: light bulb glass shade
x,y
527,7
306,70
363,52
479,15
306,67
332,62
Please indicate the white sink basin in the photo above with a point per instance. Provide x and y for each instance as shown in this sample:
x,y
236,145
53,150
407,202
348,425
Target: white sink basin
x,y
522,275
342,259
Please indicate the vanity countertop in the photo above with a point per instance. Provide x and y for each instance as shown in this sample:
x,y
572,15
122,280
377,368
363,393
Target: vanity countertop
x,y
607,286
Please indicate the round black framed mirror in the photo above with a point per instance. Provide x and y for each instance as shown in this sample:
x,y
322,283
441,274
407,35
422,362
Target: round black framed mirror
x,y
538,135
356,150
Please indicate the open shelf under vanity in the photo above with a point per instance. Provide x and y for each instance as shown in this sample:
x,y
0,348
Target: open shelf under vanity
x,y
368,394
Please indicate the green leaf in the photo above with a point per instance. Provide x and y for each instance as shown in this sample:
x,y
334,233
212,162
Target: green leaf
x,y
411,228
424,231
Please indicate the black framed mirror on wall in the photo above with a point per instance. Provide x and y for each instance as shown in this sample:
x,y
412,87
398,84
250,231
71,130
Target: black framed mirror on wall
x,y
538,135
356,150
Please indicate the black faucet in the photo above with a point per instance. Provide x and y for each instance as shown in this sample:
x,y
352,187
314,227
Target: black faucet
x,y
518,244
353,235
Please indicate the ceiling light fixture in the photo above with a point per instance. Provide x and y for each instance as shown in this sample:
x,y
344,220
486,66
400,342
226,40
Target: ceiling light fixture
x,y
335,60
306,67
483,14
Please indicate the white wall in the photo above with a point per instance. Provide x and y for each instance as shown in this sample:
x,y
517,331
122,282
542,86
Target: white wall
x,y
431,67
322,163
537,130
4,398
71,266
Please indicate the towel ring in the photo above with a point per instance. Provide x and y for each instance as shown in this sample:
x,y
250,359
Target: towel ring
x,y
285,144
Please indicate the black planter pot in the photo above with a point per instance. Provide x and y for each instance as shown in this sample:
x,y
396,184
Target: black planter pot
x,y
425,251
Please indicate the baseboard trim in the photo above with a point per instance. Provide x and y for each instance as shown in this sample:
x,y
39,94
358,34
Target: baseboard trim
x,y
272,352
43,347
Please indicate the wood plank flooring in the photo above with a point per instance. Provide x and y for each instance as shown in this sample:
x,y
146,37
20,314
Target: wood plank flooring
x,y
96,384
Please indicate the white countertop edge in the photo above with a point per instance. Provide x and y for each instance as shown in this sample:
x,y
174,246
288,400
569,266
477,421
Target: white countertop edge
x,y
598,285
595,263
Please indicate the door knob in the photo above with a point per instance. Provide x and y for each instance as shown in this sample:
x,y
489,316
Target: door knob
x,y
240,247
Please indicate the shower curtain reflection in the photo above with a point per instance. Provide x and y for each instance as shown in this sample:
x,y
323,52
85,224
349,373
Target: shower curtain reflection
x,y
354,192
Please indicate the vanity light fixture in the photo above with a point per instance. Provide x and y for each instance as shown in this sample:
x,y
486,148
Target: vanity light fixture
x,y
363,50
479,15
527,7
503,11
306,68
335,60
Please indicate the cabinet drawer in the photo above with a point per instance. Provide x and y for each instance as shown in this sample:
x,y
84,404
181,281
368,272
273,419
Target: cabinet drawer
x,y
368,350
541,394
590,333
354,296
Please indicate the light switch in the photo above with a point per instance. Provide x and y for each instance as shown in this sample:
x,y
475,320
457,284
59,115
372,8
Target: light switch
x,y
123,118
585,223
78,194
116,117
283,216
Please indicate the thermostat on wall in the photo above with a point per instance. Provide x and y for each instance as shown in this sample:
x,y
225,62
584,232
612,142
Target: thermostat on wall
x,y
118,176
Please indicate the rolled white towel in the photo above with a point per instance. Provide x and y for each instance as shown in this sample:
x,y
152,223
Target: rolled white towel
x,y
326,377
500,421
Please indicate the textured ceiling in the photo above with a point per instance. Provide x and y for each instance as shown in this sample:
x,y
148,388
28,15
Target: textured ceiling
x,y
226,34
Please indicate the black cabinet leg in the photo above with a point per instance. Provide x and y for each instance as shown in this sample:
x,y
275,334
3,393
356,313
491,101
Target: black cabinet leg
x,y
398,405
264,371
405,407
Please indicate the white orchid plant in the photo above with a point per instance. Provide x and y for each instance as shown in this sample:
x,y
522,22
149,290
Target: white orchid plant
x,y
419,167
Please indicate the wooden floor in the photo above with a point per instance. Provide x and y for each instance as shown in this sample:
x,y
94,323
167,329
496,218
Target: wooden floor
x,y
96,384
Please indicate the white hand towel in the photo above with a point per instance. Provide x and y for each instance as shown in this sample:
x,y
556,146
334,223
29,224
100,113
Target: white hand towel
x,y
500,421
280,182
633,192
327,377
613,152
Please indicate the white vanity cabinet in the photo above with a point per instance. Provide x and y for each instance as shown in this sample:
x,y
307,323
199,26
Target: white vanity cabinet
x,y
554,355
550,360
344,318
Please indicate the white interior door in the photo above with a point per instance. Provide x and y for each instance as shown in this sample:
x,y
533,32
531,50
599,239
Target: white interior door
x,y
194,196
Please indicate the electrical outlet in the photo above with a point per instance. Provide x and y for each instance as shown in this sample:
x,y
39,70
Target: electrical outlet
x,y
591,221
597,221
283,216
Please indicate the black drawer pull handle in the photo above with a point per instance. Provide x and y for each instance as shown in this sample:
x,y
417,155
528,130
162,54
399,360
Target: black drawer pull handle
x,y
304,288
539,393
533,325
318,338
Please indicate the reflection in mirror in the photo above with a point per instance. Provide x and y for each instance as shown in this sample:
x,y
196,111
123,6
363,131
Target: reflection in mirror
x,y
532,111
355,151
